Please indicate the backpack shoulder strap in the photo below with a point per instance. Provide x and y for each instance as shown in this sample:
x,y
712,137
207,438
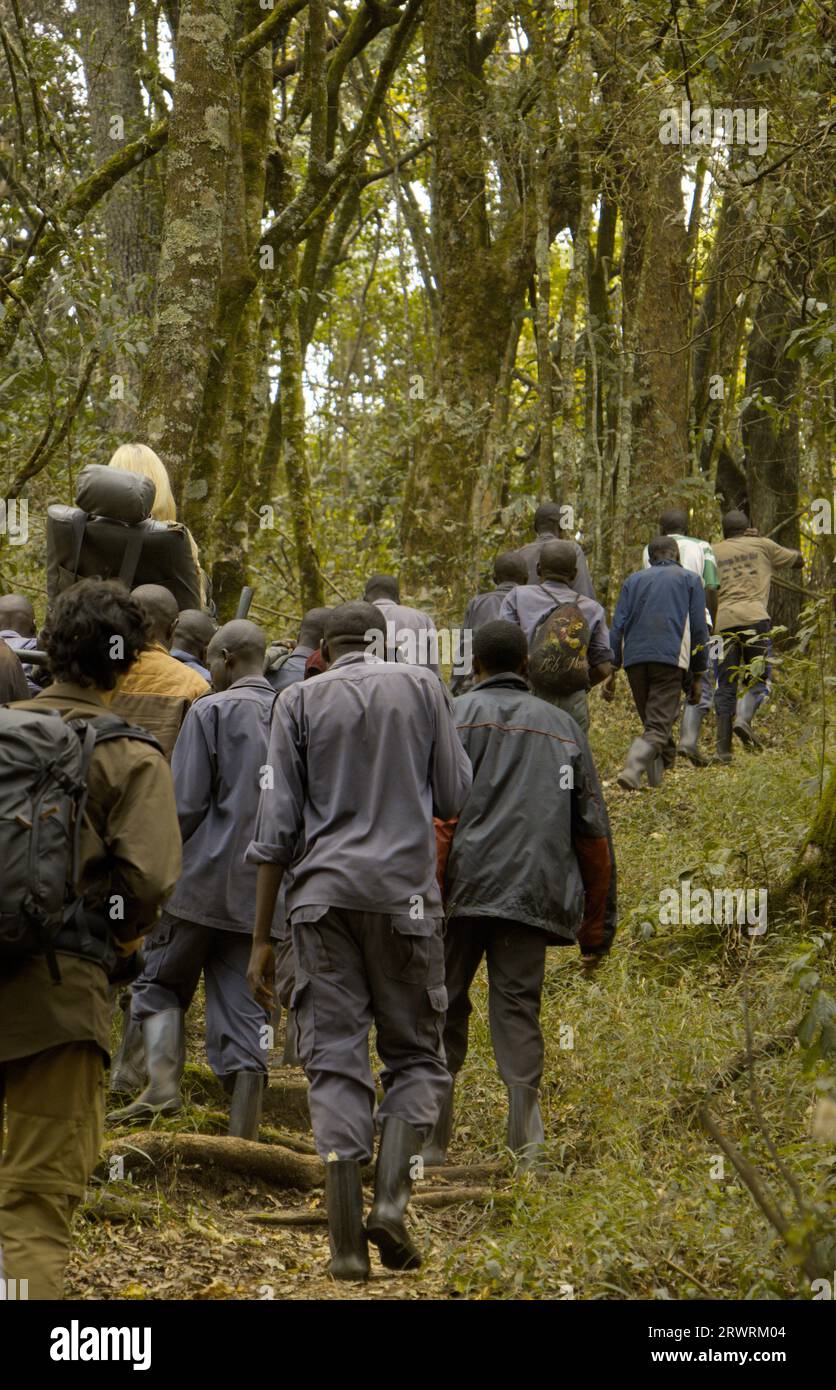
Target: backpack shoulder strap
x,y
130,556
78,524
543,620
110,726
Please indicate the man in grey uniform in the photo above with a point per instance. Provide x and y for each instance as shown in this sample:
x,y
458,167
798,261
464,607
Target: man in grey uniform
x,y
218,766
284,668
360,759
409,631
548,527
557,583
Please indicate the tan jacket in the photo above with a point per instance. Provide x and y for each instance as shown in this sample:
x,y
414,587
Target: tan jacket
x,y
156,694
129,845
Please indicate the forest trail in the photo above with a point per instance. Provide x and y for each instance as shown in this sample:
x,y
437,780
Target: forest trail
x,y
632,1204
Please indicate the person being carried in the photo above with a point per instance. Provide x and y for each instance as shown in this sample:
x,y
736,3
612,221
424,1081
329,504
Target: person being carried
x,y
360,757
698,557
55,1037
192,635
218,761
529,866
410,633
157,691
659,635
283,668
548,526
746,564
529,607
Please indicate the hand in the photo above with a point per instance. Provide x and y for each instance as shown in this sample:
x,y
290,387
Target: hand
x,y
261,974
695,691
751,531
608,688
590,963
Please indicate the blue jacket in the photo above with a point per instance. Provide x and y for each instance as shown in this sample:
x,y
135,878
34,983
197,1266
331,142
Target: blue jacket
x,y
660,616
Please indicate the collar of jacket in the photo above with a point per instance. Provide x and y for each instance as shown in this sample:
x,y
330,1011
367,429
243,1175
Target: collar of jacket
x,y
256,682
79,694
351,659
508,680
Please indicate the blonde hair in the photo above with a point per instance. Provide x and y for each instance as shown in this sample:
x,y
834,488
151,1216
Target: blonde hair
x,y
138,458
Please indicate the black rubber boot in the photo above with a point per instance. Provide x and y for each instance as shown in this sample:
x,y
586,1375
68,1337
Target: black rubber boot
x,y
127,1071
400,1145
656,770
344,1200
640,755
290,1056
724,738
689,735
744,714
525,1126
164,1036
434,1151
245,1106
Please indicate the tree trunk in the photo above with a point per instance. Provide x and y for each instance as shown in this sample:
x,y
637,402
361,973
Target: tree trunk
x,y
193,225
294,444
770,435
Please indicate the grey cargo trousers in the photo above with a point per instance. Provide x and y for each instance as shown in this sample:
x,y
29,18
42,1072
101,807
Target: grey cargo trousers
x,y
176,952
355,969
516,960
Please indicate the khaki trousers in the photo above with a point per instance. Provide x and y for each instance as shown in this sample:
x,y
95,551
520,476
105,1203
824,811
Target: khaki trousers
x,y
54,1103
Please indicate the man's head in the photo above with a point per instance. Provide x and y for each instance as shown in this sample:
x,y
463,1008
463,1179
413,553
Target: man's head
x,y
547,518
17,615
558,560
160,608
497,647
674,520
313,627
383,586
236,650
94,632
510,568
662,548
735,524
352,627
194,632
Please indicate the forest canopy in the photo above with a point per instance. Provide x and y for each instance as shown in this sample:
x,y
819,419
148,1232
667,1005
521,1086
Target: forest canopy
x,y
374,278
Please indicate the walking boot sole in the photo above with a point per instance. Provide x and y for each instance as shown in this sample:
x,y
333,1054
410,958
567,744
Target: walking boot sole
x,y
627,784
694,756
434,1157
393,1245
747,738
143,1112
356,1270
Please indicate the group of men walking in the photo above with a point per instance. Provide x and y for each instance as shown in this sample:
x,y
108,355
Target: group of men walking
x,y
334,830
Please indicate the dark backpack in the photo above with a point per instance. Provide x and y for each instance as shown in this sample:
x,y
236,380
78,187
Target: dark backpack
x,y
44,760
558,660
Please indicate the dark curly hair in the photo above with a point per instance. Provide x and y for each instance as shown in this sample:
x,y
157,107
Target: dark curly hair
x,y
81,631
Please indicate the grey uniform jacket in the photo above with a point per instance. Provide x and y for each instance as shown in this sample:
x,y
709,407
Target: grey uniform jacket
x,y
401,619
533,831
582,582
217,766
361,759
